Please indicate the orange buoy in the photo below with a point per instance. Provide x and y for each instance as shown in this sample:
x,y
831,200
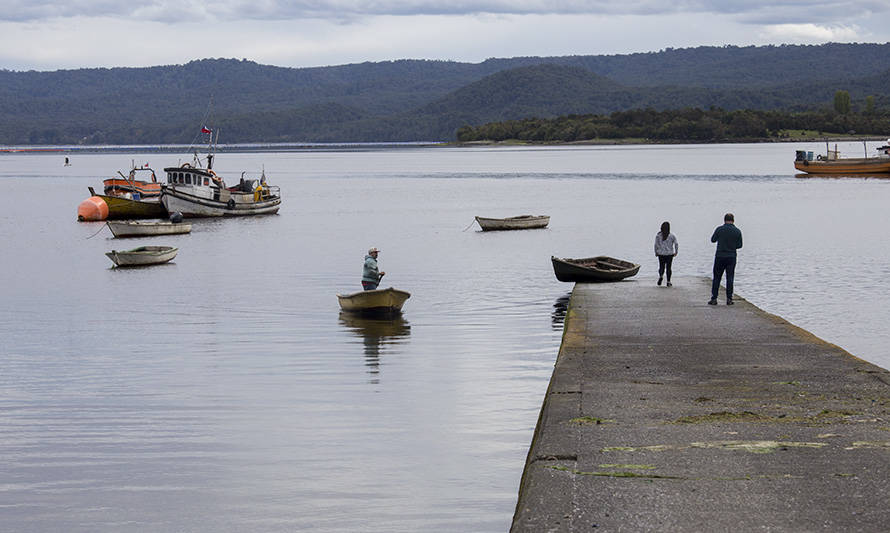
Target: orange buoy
x,y
93,208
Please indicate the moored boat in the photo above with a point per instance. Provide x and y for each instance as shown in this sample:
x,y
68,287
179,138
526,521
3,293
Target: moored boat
x,y
145,228
378,302
197,191
142,256
513,223
599,268
138,188
832,164
111,207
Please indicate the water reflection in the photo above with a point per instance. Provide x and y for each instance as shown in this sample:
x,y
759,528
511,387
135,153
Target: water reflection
x,y
560,307
377,334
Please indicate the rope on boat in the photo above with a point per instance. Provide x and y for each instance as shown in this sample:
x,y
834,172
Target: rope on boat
x,y
470,226
100,229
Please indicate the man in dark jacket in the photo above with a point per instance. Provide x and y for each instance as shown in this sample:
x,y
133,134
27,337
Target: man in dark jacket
x,y
728,239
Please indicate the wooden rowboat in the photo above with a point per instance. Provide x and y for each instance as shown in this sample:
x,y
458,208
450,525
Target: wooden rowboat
x,y
144,255
600,268
379,302
142,228
520,222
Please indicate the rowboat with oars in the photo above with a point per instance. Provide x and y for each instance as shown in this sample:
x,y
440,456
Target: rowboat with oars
x,y
142,256
513,223
378,302
146,228
599,268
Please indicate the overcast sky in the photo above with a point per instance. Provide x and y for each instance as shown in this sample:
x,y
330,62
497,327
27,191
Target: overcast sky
x,y
66,34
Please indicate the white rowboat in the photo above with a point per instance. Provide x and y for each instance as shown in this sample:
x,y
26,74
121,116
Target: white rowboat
x,y
144,255
142,228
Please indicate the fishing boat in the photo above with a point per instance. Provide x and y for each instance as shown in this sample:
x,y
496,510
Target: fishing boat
x,y
132,184
378,302
145,228
195,190
600,268
142,256
118,206
831,163
512,223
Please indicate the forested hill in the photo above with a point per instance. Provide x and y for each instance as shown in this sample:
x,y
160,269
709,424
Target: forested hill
x,y
410,100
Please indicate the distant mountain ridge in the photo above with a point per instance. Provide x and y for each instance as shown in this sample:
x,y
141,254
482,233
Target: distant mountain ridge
x,y
411,100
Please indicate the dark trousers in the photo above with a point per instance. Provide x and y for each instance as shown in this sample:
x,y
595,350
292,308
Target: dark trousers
x,y
721,265
664,265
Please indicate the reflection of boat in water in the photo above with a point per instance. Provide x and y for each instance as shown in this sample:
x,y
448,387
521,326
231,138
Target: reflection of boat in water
x,y
376,334
833,164
560,308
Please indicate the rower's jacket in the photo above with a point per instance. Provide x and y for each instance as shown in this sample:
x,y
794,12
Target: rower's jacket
x,y
370,272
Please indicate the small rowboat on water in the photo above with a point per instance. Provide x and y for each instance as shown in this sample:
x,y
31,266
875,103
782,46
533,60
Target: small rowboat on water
x,y
379,302
600,268
520,222
142,228
144,255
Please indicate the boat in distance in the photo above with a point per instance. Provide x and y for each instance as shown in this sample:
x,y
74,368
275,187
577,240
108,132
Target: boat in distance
x,y
599,268
142,256
378,302
146,228
832,164
513,223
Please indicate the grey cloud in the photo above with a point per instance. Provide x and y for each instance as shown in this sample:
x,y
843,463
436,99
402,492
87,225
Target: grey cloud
x,y
749,11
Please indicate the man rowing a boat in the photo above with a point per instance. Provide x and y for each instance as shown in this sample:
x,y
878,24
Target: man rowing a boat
x,y
370,274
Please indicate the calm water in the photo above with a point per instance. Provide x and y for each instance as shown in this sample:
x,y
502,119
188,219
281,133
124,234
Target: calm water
x,y
225,392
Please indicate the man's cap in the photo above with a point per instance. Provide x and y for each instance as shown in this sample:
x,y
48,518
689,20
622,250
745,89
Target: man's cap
x,y
372,250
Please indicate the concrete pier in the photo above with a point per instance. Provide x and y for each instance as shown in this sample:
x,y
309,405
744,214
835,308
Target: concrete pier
x,y
666,414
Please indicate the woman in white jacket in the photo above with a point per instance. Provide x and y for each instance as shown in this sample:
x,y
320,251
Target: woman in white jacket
x,y
666,249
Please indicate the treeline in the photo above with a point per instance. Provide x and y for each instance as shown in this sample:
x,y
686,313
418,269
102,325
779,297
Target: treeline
x,y
690,124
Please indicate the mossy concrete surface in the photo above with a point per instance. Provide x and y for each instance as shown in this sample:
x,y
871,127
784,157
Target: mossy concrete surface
x,y
743,421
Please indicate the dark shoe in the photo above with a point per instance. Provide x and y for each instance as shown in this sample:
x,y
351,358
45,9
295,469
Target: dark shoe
x,y
659,281
712,301
729,302
670,284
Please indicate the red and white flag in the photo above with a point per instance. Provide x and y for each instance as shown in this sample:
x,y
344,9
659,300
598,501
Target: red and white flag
x,y
205,129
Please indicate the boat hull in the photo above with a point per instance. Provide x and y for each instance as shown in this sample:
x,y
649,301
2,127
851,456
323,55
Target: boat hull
x,y
145,188
142,256
196,206
513,223
851,166
593,269
119,207
134,228
379,302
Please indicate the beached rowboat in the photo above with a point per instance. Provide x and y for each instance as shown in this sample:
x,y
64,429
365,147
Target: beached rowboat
x,y
144,255
382,302
511,223
600,268
142,228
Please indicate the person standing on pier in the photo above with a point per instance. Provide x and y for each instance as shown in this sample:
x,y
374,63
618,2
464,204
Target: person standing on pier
x,y
729,239
370,273
666,248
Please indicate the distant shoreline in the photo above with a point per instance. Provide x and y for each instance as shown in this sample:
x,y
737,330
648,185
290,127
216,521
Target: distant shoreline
x,y
363,146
